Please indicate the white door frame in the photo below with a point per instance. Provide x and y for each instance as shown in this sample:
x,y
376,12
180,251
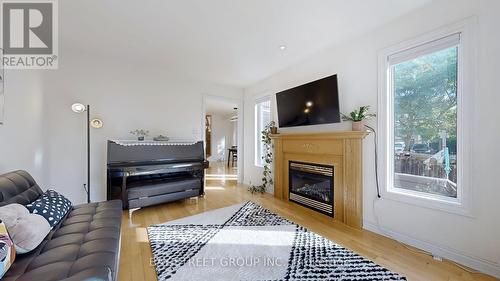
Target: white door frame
x,y
239,102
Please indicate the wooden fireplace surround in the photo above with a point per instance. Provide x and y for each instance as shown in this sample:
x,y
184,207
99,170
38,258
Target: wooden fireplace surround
x,y
343,150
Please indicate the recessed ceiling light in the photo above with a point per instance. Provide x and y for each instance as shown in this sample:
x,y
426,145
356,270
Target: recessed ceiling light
x,y
282,47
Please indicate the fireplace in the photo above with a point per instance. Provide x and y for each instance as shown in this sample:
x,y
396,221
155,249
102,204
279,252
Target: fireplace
x,y
341,153
311,185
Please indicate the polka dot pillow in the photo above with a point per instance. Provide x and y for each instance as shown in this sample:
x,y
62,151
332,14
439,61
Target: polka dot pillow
x,y
50,205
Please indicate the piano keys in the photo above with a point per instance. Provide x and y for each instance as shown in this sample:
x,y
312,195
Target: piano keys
x,y
149,173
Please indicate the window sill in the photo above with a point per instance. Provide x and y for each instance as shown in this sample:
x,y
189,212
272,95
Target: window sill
x,y
430,201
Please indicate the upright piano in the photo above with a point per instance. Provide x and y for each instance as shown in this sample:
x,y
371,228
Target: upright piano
x,y
149,173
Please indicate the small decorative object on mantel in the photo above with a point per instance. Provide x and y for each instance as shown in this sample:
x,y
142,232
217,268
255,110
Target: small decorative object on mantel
x,y
160,138
140,133
267,177
274,130
358,116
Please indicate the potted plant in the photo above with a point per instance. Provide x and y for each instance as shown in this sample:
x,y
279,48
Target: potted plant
x,y
274,130
267,178
358,116
140,133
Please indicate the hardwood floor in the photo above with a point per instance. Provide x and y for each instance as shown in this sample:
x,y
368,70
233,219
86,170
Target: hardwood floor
x,y
222,190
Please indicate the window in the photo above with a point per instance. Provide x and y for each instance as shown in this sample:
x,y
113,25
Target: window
x,y
424,90
262,118
422,137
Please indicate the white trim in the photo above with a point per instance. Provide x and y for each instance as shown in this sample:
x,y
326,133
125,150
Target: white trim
x,y
425,48
256,162
465,91
241,139
473,262
260,99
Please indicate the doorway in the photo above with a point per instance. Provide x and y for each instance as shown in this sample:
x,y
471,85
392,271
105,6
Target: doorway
x,y
222,120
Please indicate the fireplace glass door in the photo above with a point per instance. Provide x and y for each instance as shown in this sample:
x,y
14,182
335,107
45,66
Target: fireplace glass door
x,y
311,185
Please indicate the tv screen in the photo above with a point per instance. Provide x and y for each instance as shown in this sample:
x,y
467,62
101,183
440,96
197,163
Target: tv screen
x,y
313,103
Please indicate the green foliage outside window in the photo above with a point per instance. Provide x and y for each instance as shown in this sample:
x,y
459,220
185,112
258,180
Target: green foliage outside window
x,y
425,96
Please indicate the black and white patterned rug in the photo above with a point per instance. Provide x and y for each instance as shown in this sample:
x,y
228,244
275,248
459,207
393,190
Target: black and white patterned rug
x,y
249,242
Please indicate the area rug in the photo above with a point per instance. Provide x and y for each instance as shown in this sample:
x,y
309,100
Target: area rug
x,y
249,242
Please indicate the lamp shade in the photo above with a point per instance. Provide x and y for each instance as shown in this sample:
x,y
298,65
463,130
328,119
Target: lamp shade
x,y
96,123
78,107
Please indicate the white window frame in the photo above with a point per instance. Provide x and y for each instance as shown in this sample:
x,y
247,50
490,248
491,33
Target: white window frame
x,y
466,69
257,132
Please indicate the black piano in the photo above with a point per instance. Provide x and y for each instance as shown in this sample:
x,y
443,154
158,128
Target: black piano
x,y
149,173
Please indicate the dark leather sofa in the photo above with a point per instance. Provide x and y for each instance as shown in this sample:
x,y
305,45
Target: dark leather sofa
x,y
84,246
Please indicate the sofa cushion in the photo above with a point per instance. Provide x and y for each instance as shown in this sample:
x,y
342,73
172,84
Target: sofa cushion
x,y
85,245
7,250
26,230
51,205
18,187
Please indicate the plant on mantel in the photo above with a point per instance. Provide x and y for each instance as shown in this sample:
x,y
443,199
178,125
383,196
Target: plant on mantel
x,y
358,116
267,178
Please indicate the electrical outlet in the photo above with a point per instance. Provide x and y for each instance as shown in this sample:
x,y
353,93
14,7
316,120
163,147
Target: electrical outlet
x,y
438,258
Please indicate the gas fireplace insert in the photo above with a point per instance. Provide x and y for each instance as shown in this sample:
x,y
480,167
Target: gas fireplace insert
x,y
311,185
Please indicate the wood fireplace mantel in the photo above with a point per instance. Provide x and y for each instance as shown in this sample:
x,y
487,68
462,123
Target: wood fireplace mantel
x,y
343,150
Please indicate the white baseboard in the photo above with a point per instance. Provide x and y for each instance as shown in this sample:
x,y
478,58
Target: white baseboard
x,y
476,263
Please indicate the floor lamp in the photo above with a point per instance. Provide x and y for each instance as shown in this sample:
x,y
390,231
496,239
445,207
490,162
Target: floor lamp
x,y
95,123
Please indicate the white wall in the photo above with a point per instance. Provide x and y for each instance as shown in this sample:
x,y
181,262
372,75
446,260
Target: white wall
x,y
471,241
125,97
22,135
222,137
234,133
253,173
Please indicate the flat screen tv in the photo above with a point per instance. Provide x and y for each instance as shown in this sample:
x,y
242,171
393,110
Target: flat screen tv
x,y
313,103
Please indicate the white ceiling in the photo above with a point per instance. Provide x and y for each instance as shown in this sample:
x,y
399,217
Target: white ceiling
x,y
218,106
234,42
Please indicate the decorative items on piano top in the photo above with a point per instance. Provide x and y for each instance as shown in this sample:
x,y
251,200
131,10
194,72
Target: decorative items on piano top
x,y
140,134
267,177
358,116
152,143
161,138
